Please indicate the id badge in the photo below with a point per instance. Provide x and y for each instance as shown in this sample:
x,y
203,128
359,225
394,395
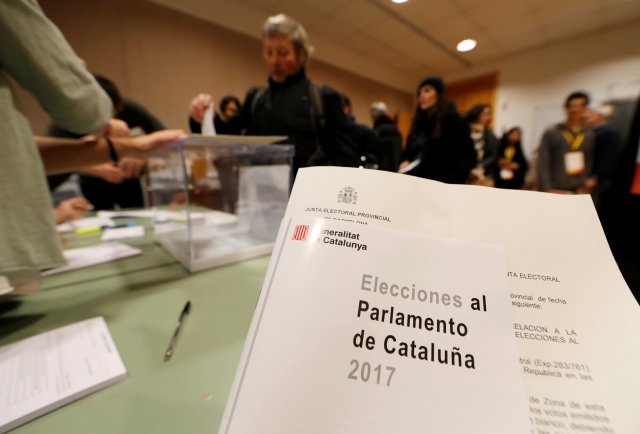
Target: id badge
x,y
574,162
506,174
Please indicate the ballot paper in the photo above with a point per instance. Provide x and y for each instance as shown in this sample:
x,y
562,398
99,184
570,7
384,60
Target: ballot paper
x,y
575,320
361,329
47,371
82,257
208,128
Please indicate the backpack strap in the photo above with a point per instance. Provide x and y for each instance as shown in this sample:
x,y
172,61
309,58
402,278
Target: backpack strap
x,y
317,105
254,102
317,112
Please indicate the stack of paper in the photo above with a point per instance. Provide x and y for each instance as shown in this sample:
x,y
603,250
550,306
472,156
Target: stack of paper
x,y
47,371
345,337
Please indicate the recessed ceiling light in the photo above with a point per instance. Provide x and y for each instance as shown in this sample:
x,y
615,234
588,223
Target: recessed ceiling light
x,y
466,45
399,1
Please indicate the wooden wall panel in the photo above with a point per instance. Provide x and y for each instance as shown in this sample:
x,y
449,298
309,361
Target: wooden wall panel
x,y
478,90
162,58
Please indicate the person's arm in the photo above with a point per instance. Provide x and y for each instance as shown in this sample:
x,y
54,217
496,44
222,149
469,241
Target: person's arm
x,y
543,163
106,171
457,141
523,165
411,150
61,155
37,55
71,209
137,116
490,152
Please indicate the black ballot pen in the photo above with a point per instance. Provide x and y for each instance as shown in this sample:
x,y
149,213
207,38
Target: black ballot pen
x,y
174,339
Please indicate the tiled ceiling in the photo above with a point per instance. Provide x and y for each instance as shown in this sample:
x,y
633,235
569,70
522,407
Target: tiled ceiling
x,y
396,44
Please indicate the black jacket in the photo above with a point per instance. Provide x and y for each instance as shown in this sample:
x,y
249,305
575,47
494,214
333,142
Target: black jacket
x,y
391,141
446,152
518,175
286,109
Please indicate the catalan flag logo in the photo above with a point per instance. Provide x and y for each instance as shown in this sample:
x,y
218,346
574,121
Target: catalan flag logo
x,y
300,232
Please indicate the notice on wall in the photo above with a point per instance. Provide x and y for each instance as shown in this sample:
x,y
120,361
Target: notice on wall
x,y
574,318
361,329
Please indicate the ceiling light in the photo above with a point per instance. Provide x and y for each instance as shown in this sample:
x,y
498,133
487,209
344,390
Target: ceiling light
x,y
399,1
466,45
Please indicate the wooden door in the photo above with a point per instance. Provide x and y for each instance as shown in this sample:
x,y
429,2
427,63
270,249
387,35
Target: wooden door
x,y
478,90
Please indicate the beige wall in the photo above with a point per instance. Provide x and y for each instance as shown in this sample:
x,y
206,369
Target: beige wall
x,y
533,84
161,59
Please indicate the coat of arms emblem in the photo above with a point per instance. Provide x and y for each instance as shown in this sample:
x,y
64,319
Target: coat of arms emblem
x,y
348,195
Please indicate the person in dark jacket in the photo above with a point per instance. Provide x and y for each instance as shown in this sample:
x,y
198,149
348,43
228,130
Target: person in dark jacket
x,y
106,185
309,114
484,142
619,209
510,165
390,137
367,142
439,138
607,146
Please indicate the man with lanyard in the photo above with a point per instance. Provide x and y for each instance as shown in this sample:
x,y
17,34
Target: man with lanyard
x,y
565,156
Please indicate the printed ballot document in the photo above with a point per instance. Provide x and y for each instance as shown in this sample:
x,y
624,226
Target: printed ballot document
x,y
575,322
361,329
47,371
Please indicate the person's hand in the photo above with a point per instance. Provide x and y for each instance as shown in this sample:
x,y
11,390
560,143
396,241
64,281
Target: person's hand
x,y
71,209
132,166
589,185
404,164
199,105
106,171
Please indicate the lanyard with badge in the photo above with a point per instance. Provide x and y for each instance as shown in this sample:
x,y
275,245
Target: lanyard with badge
x,y
509,153
574,159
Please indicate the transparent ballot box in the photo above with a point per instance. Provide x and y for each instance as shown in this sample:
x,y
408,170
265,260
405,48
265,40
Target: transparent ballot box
x,y
219,199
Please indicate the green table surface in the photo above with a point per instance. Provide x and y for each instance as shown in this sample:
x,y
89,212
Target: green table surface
x,y
141,298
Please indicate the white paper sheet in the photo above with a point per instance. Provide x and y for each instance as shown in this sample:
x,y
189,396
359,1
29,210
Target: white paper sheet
x,y
409,167
326,349
47,371
123,233
82,257
575,320
208,128
5,286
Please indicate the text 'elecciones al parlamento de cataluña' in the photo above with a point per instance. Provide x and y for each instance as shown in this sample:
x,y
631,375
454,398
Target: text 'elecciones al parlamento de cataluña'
x,y
429,352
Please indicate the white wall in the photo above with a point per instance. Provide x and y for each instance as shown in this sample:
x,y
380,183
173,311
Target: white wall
x,y
532,86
